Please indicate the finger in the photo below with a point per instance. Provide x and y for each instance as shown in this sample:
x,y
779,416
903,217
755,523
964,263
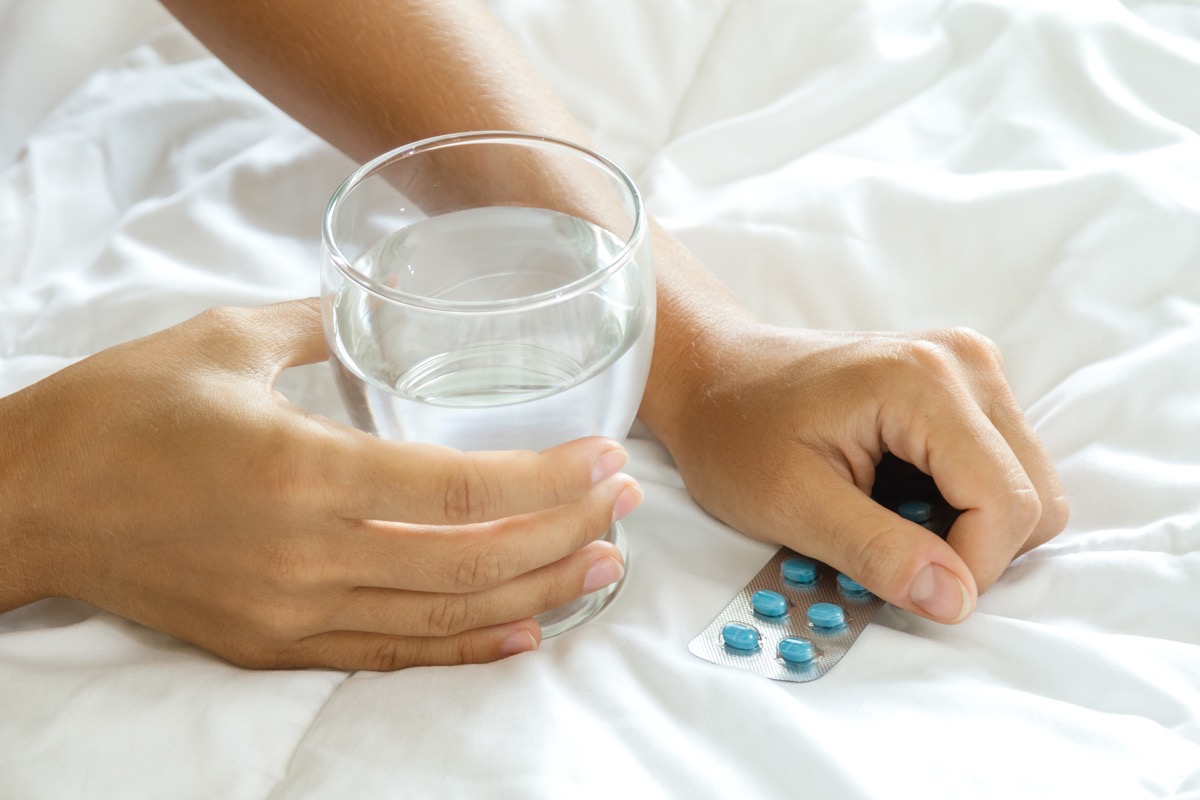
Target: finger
x,y
1013,425
470,558
980,367
429,484
405,613
352,650
979,475
943,431
898,560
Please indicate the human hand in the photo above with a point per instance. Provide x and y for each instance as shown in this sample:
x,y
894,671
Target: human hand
x,y
167,481
783,434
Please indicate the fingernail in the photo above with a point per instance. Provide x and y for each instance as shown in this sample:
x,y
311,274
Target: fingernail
x,y
939,593
521,641
608,464
629,499
603,573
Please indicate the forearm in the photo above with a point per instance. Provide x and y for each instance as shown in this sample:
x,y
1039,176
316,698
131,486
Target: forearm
x,y
375,74
370,75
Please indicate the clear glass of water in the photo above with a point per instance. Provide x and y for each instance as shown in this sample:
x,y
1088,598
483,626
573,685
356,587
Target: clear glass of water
x,y
491,291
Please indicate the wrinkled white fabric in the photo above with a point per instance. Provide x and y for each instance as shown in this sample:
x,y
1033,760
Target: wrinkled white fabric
x,y
1029,169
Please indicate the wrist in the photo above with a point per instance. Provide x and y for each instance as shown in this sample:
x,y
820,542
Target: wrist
x,y
701,330
22,567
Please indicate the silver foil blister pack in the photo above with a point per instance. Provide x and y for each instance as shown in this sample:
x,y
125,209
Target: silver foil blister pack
x,y
797,617
826,644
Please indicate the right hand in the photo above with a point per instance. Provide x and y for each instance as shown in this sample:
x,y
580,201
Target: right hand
x,y
167,481
792,424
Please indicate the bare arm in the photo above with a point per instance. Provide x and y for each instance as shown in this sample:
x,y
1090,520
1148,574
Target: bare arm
x,y
369,75
775,431
374,74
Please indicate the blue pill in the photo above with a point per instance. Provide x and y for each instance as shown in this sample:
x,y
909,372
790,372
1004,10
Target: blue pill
x,y
799,570
768,603
795,650
740,636
826,615
850,586
915,510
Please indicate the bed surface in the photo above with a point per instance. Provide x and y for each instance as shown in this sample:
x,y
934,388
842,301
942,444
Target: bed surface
x,y
1028,169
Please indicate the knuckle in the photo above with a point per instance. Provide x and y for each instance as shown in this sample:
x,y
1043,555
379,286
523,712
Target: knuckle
x,y
1025,510
448,615
484,565
557,591
557,480
586,522
252,657
223,317
932,358
467,651
281,622
285,473
229,336
221,325
378,653
946,347
467,495
551,588
258,645
971,346
288,566
388,654
1056,513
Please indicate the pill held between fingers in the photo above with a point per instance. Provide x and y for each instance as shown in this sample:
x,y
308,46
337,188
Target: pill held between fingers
x,y
915,510
795,650
768,603
826,615
740,636
799,570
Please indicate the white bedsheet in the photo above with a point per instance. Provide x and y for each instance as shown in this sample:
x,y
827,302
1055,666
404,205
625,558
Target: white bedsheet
x,y
1030,169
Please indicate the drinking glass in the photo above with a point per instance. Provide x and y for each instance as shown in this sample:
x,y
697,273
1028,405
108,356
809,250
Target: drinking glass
x,y
491,291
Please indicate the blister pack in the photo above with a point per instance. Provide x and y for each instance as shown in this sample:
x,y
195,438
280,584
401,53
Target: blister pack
x,y
797,617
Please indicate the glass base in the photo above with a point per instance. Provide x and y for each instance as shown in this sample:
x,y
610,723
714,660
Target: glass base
x,y
580,610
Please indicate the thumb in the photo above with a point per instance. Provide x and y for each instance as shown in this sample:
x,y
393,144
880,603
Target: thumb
x,y
900,561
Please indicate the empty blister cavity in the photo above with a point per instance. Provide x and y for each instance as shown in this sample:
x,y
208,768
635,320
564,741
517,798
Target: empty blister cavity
x,y
768,603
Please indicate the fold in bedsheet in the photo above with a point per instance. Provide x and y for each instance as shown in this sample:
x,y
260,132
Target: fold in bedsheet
x,y
1031,170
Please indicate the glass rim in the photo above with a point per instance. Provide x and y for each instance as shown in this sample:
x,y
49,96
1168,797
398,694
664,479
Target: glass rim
x,y
561,293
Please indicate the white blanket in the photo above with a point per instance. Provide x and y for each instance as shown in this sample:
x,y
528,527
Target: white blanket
x,y
1029,169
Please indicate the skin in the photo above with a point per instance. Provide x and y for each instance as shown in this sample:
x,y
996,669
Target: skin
x,y
331,548
175,487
